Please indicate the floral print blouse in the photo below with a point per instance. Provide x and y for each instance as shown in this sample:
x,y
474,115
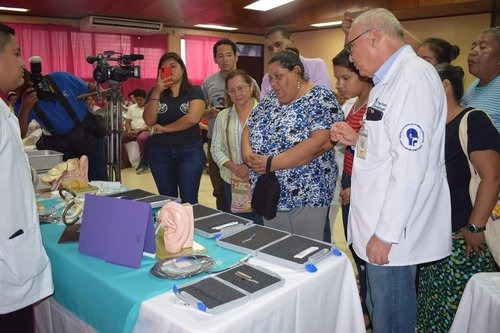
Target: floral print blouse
x,y
275,128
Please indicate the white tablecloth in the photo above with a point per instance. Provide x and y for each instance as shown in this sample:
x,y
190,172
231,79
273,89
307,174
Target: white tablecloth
x,y
325,301
479,309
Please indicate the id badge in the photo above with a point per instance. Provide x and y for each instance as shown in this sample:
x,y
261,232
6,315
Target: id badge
x,y
362,144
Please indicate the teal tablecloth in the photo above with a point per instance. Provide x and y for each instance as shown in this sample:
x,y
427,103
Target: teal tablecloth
x,y
107,296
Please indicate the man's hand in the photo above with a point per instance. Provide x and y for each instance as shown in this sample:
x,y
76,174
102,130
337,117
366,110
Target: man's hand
x,y
343,133
345,196
29,98
377,251
346,24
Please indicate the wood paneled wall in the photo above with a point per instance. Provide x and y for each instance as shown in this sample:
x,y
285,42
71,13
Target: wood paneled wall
x,y
458,30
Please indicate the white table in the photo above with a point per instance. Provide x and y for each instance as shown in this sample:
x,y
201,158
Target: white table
x,y
479,309
325,301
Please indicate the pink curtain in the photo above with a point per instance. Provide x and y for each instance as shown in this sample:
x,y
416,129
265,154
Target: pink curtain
x,y
64,48
199,57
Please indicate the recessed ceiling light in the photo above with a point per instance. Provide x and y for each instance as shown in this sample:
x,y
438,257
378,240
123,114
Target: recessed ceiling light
x,y
14,9
265,5
214,26
326,24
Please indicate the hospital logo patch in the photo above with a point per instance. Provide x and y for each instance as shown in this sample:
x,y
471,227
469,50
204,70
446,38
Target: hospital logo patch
x,y
411,137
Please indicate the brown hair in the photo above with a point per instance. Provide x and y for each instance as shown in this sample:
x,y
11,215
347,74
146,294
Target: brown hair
x,y
185,84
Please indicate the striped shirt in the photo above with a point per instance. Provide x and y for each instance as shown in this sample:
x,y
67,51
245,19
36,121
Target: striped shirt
x,y
486,98
219,148
354,119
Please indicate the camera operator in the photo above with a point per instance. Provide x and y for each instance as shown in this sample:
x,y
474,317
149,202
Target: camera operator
x,y
68,123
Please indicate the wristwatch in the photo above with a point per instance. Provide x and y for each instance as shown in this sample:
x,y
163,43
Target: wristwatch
x,y
475,229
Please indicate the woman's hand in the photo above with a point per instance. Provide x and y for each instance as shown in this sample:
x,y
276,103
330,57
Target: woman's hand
x,y
473,241
157,129
257,163
241,170
162,84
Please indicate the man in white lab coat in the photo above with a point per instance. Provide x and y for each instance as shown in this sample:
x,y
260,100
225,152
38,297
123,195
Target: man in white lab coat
x,y
25,271
400,201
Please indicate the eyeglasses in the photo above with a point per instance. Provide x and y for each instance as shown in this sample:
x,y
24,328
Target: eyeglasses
x,y
348,46
239,89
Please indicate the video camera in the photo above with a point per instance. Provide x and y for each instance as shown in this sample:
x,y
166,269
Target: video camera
x,y
104,72
36,78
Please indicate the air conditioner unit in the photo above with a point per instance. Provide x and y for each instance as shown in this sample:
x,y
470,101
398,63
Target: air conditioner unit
x,y
119,25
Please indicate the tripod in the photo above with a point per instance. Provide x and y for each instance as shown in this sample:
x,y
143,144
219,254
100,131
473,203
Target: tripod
x,y
114,126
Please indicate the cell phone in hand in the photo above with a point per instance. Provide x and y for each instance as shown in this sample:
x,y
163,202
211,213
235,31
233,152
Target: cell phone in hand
x,y
166,71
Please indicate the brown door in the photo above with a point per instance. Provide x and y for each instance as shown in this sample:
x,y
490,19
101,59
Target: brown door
x,y
251,59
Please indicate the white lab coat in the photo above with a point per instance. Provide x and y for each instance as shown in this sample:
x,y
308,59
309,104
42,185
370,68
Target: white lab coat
x,y
400,191
25,270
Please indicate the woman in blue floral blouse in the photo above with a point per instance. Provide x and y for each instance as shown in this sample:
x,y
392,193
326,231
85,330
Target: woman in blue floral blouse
x,y
292,124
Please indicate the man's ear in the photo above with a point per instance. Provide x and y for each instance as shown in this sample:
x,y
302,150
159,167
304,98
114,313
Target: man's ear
x,y
374,36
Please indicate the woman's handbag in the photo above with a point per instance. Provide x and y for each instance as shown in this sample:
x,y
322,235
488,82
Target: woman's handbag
x,y
241,195
492,232
266,193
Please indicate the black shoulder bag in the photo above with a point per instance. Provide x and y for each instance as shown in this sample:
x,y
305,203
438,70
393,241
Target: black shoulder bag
x,y
266,193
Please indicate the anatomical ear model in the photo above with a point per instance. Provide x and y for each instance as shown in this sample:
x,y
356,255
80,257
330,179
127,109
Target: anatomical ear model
x,y
178,223
72,173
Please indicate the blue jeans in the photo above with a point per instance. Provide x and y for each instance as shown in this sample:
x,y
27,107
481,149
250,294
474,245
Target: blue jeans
x,y
178,169
391,298
254,216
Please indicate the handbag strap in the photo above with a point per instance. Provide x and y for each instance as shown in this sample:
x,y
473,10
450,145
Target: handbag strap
x,y
464,138
227,134
268,165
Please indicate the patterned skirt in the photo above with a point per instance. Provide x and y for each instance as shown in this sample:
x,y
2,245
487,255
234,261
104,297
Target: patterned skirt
x,y
441,284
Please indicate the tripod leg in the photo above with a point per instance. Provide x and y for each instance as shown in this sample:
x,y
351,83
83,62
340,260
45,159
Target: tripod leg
x,y
115,125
